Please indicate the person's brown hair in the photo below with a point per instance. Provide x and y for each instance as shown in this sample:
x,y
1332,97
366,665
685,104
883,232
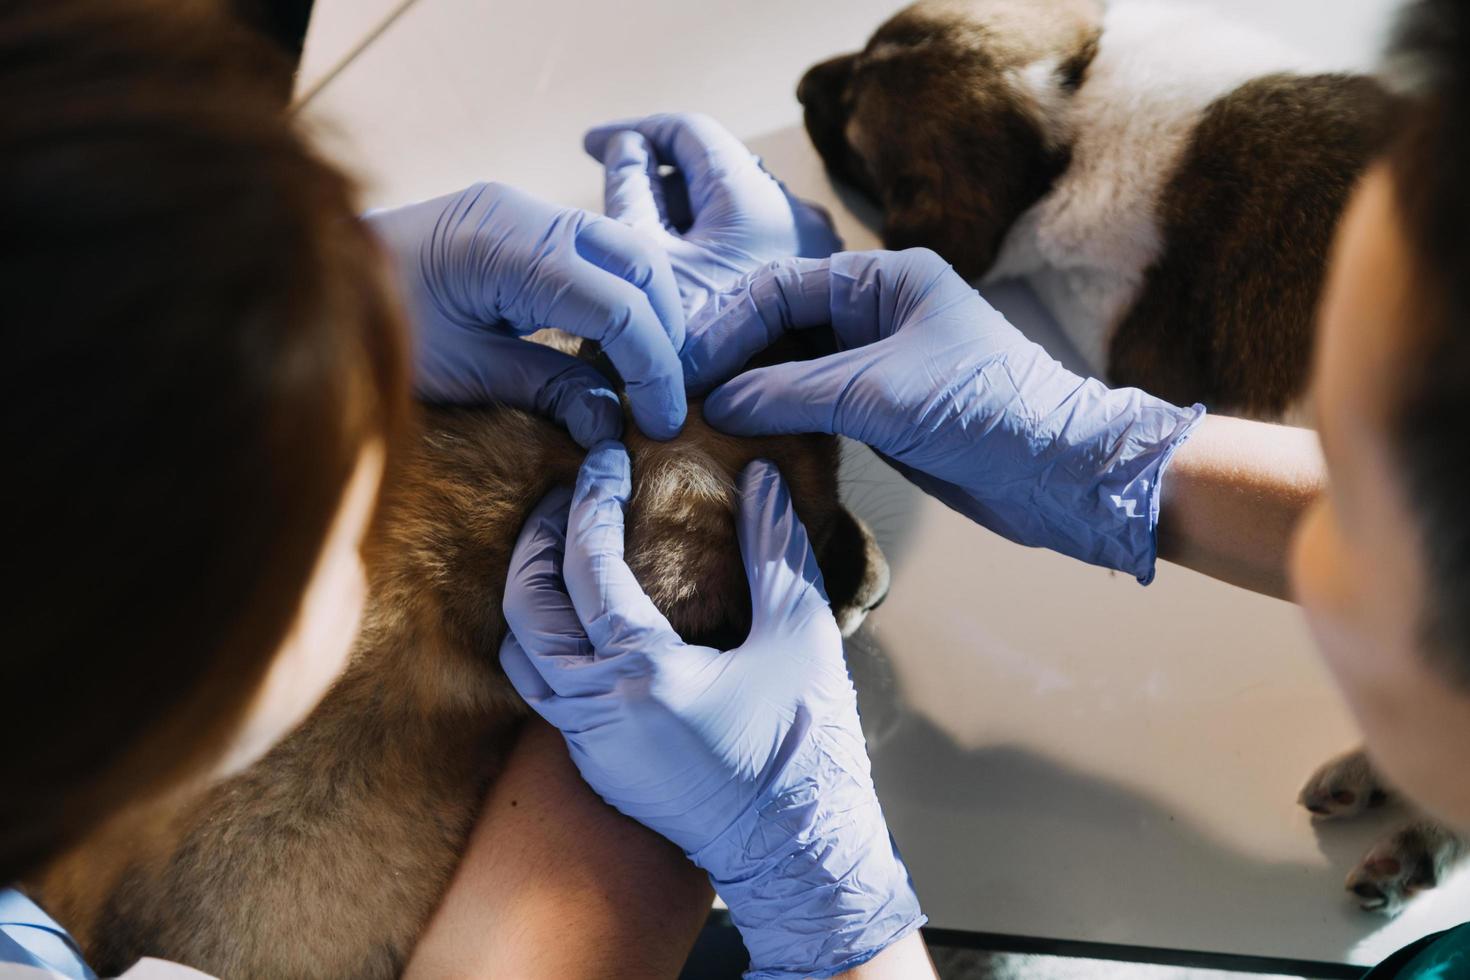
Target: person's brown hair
x,y
1430,429
197,345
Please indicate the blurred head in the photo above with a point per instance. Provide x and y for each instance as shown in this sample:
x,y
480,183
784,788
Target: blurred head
x,y
1382,563
202,371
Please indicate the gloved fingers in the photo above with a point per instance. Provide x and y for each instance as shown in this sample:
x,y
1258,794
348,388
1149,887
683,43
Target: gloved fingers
x,y
521,671
540,614
786,590
737,324
637,259
620,315
866,297
486,367
876,294
619,617
573,714
536,606
633,192
652,375
706,152
816,235
800,396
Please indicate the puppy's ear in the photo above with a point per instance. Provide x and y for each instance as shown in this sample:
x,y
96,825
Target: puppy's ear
x,y
823,84
965,183
825,93
964,226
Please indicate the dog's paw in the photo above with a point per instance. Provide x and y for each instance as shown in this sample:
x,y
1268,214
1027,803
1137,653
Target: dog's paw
x,y
1344,787
1410,860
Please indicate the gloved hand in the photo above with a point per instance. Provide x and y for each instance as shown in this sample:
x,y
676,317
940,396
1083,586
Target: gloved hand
x,y
750,760
485,266
951,394
719,214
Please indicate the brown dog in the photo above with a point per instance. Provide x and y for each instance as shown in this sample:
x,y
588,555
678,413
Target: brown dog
x,y
1167,181
328,856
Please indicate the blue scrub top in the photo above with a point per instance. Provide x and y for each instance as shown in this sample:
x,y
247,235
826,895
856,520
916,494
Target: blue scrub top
x,y
30,937
1442,956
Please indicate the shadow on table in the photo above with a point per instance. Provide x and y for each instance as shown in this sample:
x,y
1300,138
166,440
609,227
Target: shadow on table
x,y
1004,840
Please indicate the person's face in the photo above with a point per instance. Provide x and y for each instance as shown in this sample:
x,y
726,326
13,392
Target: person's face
x,y
1357,565
315,650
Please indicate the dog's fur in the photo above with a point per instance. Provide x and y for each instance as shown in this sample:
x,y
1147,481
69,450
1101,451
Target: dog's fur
x,y
326,858
1168,182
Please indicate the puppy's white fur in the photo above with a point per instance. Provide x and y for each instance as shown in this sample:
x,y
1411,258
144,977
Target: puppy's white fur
x,y
1086,245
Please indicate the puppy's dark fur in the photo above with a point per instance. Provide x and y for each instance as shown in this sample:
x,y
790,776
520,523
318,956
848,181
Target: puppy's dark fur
x,y
1226,315
956,119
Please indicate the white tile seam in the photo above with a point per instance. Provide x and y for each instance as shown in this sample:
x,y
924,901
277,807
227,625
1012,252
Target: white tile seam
x,y
301,100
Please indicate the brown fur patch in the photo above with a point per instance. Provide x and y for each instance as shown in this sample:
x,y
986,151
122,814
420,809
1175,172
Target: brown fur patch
x,y
327,857
1226,315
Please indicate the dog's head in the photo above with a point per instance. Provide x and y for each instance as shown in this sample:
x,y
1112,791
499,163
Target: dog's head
x,y
953,119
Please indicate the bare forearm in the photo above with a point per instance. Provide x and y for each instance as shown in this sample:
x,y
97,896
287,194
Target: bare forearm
x,y
907,959
557,884
1232,498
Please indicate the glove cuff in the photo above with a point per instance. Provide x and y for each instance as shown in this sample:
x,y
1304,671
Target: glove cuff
x,y
1095,497
1129,492
811,875
1106,510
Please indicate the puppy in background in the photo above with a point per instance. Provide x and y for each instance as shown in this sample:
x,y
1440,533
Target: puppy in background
x,y
1166,180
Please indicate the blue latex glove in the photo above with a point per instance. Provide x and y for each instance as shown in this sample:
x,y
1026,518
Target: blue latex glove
x,y
956,398
736,217
489,264
30,937
750,760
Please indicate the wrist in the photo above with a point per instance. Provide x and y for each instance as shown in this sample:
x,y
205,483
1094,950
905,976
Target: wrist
x,y
812,877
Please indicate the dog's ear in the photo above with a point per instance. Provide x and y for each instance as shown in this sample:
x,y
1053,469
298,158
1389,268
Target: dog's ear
x,y
826,96
915,213
823,85
959,186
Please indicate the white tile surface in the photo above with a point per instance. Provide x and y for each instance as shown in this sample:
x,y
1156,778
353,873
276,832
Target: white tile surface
x,y
1061,753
